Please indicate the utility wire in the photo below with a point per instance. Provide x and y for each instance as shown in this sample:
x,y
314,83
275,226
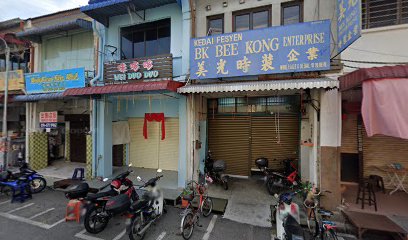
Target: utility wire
x,y
350,66
388,54
368,62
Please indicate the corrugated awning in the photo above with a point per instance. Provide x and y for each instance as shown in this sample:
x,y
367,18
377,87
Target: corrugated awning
x,y
356,78
36,33
125,88
101,10
261,85
38,97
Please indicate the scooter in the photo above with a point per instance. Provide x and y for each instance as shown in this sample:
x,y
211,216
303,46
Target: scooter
x,y
214,171
147,210
102,206
287,217
276,182
36,181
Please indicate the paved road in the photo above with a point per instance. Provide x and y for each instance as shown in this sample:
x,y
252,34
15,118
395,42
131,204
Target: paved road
x,y
42,218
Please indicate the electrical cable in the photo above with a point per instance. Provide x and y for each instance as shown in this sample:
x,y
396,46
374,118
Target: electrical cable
x,y
387,54
368,62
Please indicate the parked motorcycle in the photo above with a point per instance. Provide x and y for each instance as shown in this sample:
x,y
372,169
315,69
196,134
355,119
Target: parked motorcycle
x,y
101,207
146,210
36,181
214,171
276,182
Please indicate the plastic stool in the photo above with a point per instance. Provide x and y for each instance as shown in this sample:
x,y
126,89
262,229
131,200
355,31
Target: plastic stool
x,y
81,176
379,182
73,210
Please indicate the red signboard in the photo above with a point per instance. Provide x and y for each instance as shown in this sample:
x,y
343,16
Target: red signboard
x,y
48,117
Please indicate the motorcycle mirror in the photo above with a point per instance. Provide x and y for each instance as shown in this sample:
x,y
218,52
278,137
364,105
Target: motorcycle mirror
x,y
130,165
276,196
105,179
159,170
139,178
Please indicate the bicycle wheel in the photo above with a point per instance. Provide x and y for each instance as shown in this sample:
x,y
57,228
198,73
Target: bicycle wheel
x,y
207,206
187,225
330,235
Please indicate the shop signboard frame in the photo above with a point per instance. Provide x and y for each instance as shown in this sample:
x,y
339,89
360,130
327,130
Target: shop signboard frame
x,y
55,81
283,49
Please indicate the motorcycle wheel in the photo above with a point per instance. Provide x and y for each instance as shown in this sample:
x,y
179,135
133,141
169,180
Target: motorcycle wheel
x,y
207,206
6,190
272,187
134,228
92,222
187,226
225,184
38,185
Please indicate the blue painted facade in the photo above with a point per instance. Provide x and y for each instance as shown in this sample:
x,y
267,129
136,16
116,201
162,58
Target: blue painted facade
x,y
105,110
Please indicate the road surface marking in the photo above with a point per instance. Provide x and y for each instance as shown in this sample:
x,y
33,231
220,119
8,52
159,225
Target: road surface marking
x,y
15,210
120,235
210,227
25,220
55,224
1,203
161,236
41,213
81,235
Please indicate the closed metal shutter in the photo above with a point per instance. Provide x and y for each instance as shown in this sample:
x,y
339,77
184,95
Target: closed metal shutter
x,y
382,150
154,152
169,147
239,140
144,152
228,139
267,143
349,136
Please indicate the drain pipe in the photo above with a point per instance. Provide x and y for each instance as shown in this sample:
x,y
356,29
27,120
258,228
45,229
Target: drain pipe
x,y
100,33
93,82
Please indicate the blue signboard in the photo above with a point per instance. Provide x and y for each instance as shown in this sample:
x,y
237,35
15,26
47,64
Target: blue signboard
x,y
348,23
55,81
293,48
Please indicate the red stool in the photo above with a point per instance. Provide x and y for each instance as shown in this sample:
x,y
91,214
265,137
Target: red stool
x,y
73,210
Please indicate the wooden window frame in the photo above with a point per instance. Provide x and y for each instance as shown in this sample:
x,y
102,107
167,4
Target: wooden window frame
x,y
251,11
366,18
291,4
215,17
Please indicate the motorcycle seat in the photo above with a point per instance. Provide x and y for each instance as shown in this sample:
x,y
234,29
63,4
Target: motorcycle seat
x,y
139,204
100,195
325,213
28,171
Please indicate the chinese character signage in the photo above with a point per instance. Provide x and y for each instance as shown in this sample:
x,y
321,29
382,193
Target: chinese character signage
x,y
55,81
48,117
139,69
348,23
15,80
293,48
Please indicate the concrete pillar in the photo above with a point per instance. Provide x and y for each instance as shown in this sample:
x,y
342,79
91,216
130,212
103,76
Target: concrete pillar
x,y
103,130
183,140
330,141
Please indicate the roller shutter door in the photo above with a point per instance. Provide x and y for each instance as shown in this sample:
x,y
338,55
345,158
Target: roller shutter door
x,y
349,134
266,143
239,140
228,139
154,152
382,150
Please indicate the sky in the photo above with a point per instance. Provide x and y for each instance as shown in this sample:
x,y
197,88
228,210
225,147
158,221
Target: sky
x,y
33,8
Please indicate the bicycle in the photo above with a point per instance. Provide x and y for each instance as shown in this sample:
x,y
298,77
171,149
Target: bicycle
x,y
191,215
322,228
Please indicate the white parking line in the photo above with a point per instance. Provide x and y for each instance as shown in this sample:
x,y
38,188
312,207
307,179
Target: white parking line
x,y
81,235
1,203
210,227
15,210
120,235
41,213
55,224
161,236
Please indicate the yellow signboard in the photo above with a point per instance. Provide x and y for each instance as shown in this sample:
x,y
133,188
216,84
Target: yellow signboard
x,y
15,81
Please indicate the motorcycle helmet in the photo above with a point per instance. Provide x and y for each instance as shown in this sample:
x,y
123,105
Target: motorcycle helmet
x,y
286,198
115,184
